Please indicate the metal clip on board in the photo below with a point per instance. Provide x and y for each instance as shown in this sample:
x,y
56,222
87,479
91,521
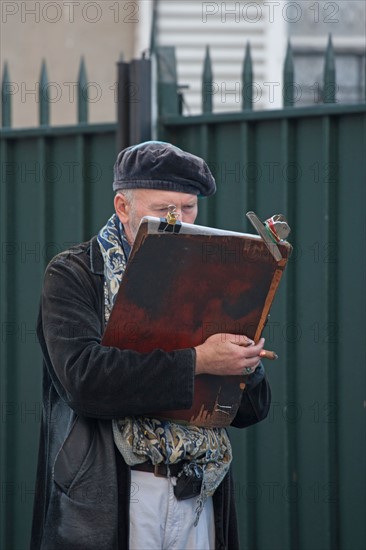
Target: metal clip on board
x,y
170,224
273,231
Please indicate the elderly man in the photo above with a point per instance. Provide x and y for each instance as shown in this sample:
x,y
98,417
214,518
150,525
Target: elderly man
x,y
97,487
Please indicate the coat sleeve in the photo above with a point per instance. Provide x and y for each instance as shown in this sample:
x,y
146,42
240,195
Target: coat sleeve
x,y
256,400
95,380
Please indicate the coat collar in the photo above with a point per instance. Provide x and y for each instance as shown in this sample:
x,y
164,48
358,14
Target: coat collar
x,y
96,258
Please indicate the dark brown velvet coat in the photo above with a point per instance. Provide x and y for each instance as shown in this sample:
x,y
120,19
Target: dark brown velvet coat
x,y
83,485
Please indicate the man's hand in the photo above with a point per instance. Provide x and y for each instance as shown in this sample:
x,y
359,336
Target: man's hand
x,y
223,354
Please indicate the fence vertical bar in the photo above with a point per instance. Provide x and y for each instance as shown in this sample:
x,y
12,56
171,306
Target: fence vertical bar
x,y
4,348
331,189
42,204
248,197
6,98
82,93
247,80
288,78
82,197
290,443
329,94
9,348
207,84
44,111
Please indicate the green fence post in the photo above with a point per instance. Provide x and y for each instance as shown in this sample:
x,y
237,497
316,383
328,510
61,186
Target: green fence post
x,y
207,84
329,95
6,98
123,103
82,93
247,80
44,111
140,100
288,78
168,101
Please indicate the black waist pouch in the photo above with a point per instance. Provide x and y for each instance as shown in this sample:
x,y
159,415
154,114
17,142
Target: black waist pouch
x,y
189,482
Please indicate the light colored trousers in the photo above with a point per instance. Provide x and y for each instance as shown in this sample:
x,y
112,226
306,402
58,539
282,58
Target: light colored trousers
x,y
158,521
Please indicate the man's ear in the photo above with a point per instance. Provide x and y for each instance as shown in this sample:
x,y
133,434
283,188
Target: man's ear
x,y
121,207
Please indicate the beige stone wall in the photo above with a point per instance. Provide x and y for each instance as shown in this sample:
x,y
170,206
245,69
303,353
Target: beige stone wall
x,y
61,32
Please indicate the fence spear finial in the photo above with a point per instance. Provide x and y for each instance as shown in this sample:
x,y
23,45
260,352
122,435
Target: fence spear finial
x,y
82,93
44,107
247,80
288,78
6,98
207,84
329,95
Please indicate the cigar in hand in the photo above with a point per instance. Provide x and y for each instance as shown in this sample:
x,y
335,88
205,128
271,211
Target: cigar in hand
x,y
266,354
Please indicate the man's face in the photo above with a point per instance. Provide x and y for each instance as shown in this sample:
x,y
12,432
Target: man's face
x,y
153,202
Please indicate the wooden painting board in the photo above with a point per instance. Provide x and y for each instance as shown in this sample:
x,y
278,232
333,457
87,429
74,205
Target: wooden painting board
x,y
180,288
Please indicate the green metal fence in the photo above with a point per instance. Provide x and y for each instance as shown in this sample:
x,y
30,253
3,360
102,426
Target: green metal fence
x,y
55,192
300,475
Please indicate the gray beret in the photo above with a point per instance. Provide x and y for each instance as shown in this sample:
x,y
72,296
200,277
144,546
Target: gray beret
x,y
160,165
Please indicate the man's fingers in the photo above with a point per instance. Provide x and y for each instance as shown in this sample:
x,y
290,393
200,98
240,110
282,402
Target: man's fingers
x,y
240,340
255,349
